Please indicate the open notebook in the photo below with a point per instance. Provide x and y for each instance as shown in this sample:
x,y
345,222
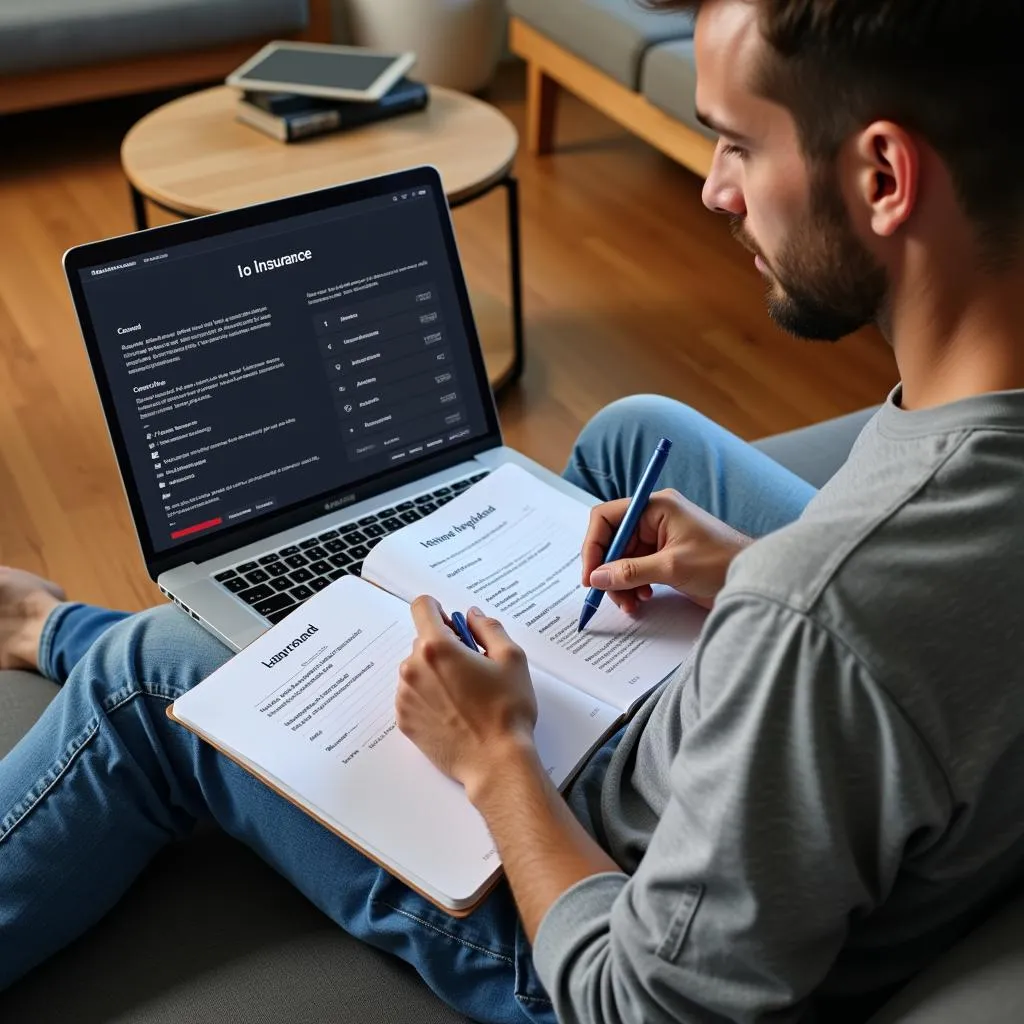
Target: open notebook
x,y
309,707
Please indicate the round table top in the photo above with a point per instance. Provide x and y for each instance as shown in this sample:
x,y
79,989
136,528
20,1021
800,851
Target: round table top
x,y
193,157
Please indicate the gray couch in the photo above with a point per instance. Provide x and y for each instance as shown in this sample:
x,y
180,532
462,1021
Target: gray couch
x,y
649,52
210,934
42,36
634,65
66,51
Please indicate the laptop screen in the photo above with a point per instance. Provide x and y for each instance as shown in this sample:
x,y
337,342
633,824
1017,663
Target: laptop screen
x,y
254,370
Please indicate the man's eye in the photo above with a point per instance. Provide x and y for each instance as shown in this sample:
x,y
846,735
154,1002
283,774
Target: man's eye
x,y
728,149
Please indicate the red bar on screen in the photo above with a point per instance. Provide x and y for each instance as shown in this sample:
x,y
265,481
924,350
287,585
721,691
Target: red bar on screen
x,y
209,524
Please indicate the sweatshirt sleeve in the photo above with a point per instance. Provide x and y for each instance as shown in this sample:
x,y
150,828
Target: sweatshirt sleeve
x,y
792,801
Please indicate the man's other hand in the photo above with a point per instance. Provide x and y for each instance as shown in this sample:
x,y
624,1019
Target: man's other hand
x,y
677,543
466,711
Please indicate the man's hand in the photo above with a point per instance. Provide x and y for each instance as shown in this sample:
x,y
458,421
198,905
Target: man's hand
x,y
677,543
467,712
473,715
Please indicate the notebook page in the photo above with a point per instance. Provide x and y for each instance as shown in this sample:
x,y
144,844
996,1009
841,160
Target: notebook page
x,y
511,545
310,706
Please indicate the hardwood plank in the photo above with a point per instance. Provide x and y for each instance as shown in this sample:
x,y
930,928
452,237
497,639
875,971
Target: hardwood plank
x,y
630,286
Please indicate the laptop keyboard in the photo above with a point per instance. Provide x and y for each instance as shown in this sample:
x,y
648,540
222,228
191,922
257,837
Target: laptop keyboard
x,y
276,584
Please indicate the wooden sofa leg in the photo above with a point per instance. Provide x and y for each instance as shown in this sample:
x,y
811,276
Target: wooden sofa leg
x,y
541,108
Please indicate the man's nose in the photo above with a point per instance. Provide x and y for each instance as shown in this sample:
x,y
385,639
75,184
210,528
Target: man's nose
x,y
722,193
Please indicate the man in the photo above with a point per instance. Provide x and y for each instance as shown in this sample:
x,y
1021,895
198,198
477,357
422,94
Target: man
x,y
829,794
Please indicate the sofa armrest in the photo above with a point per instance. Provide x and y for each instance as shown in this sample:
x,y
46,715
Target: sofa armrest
x,y
979,979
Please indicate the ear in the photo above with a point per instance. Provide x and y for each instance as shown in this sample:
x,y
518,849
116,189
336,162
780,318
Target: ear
x,y
888,175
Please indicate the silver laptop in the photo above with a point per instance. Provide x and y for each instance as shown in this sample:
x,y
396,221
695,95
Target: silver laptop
x,y
284,386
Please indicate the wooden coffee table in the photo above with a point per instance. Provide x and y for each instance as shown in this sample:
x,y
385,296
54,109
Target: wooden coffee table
x,y
191,157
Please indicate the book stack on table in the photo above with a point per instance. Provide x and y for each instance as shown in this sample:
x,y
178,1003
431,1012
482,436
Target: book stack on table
x,y
290,117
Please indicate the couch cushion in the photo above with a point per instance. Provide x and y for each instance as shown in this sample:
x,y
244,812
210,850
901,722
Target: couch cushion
x,y
23,698
980,979
669,80
613,35
816,453
210,935
36,35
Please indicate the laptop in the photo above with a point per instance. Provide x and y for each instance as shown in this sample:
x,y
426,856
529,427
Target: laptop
x,y
285,385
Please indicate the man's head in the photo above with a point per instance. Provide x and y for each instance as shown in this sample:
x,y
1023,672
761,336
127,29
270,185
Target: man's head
x,y
860,138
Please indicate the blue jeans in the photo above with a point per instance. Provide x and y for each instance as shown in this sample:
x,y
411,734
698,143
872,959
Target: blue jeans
x,y
104,780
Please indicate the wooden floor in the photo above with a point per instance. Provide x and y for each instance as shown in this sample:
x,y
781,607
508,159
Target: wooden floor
x,y
631,286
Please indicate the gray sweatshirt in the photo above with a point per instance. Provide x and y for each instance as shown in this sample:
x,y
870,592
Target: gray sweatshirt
x,y
832,790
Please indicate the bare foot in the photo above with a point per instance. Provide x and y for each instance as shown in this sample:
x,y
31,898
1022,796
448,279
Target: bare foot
x,y
25,602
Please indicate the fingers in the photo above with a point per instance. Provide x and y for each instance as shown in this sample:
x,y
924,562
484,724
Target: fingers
x,y
413,685
630,600
604,521
428,618
633,573
491,636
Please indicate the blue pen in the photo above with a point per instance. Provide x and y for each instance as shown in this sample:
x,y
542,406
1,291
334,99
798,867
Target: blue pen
x,y
462,628
629,524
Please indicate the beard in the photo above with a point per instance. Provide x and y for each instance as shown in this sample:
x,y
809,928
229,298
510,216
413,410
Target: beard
x,y
826,283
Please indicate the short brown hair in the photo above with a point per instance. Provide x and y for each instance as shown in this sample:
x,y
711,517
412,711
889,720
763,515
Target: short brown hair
x,y
948,70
